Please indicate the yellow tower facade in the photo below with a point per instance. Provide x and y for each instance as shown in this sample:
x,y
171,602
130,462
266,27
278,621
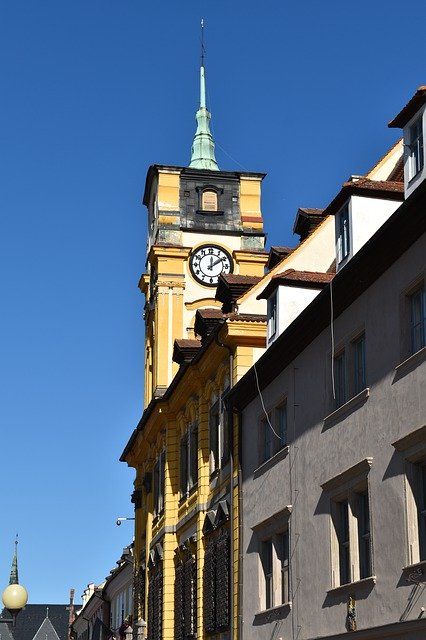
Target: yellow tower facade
x,y
205,229
201,223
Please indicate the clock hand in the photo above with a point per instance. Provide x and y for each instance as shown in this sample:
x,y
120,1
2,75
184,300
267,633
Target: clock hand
x,y
212,264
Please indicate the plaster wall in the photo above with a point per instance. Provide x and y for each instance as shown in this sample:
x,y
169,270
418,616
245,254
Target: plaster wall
x,y
290,303
322,445
366,216
316,253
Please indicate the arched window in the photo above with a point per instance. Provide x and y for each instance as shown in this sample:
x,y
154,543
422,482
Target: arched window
x,y
209,200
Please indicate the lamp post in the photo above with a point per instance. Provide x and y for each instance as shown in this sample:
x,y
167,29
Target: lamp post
x,y
15,596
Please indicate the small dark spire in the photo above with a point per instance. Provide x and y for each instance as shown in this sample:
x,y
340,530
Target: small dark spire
x,y
14,569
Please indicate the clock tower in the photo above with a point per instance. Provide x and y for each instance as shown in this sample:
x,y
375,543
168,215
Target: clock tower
x,y
202,222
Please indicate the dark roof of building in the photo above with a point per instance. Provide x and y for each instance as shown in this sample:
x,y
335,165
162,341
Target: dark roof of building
x,y
231,287
383,189
293,278
393,238
206,320
246,317
276,254
185,349
307,219
410,109
33,616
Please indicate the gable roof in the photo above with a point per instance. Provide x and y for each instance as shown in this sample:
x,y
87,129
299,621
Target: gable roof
x,y
276,254
33,616
230,287
307,219
410,109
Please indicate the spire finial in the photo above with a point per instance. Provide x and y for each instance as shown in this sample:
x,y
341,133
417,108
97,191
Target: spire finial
x,y
14,568
202,155
202,42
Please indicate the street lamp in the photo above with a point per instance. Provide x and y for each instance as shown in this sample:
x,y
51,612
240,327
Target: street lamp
x,y
15,596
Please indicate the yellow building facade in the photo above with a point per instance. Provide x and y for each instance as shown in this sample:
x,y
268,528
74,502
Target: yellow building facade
x,y
205,228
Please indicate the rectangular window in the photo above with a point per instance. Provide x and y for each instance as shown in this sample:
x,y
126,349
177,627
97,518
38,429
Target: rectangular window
x,y
340,379
416,161
358,354
272,315
421,509
351,542
189,460
266,437
364,536
281,423
418,319
159,473
267,555
343,536
283,558
219,435
344,235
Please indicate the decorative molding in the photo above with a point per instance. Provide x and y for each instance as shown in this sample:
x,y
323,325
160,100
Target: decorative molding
x,y
353,586
359,469
346,408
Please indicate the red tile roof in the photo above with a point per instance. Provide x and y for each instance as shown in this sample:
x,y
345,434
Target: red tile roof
x,y
410,109
185,349
370,188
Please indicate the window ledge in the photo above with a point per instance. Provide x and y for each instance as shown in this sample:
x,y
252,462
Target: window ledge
x,y
273,613
270,462
410,363
353,586
348,407
416,571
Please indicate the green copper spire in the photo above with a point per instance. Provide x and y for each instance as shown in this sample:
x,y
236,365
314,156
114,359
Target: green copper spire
x,y
202,153
14,568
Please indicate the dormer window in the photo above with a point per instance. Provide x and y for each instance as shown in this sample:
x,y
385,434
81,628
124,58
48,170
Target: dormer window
x,y
272,316
416,160
344,246
209,200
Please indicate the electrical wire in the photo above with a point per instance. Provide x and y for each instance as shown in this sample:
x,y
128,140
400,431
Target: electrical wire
x,y
263,405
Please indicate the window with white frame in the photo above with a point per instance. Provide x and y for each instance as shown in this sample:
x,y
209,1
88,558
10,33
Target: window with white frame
x,y
219,435
340,378
351,541
349,370
274,560
344,246
281,425
417,301
358,358
272,432
416,157
272,315
413,448
274,557
159,475
189,460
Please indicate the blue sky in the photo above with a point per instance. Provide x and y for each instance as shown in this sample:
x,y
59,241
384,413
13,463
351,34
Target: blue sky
x,y
93,92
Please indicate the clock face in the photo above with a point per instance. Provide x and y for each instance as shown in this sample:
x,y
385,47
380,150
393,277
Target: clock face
x,y
208,262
